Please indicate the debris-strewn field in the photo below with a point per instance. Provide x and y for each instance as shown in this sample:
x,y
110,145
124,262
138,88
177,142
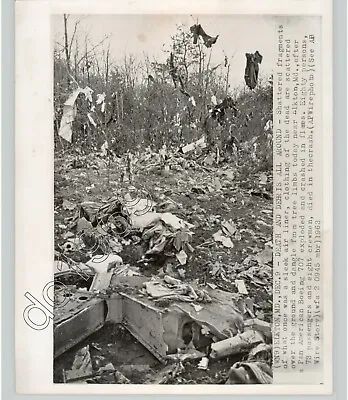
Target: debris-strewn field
x,y
223,239
163,218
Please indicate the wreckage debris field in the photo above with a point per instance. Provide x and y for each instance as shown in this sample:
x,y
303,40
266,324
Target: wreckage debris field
x,y
200,257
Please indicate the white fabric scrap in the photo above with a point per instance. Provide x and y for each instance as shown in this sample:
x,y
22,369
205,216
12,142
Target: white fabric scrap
x,y
192,101
91,120
69,114
87,91
70,111
101,100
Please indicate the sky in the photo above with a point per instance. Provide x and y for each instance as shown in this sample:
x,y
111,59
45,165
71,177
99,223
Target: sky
x,y
146,34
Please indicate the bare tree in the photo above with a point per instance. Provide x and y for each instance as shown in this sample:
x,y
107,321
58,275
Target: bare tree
x,y
87,62
107,65
66,42
68,45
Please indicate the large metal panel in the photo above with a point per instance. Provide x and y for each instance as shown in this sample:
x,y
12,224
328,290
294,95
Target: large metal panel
x,y
81,316
145,323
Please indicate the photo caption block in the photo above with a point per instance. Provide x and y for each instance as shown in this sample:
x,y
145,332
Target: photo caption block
x,y
298,193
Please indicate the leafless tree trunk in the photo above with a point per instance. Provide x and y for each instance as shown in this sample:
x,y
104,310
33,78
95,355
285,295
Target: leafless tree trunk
x,y
76,55
107,65
201,64
227,77
97,64
86,59
66,42
66,46
228,73
206,83
117,106
185,63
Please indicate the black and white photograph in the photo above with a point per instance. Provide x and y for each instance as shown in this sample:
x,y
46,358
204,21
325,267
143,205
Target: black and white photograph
x,y
163,198
174,198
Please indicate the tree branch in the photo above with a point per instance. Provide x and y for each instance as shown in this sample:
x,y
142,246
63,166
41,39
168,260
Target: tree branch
x,y
93,48
66,46
72,37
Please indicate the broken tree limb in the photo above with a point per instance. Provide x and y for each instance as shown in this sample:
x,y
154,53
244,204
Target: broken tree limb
x,y
235,345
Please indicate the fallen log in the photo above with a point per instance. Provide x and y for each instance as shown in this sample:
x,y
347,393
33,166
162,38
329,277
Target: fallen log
x,y
237,344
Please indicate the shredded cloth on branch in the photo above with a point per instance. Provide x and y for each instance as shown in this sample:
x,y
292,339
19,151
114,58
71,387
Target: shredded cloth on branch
x,y
197,31
252,69
70,112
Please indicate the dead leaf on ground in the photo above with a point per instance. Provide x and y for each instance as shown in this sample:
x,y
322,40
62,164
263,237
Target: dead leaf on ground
x,y
265,256
241,286
226,241
263,179
182,257
68,205
228,227
83,224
